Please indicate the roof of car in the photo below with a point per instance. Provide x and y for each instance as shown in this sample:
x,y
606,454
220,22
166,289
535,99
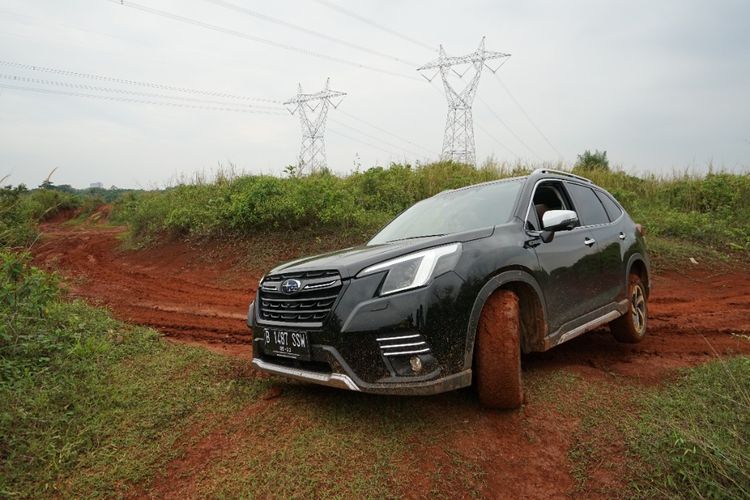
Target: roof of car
x,y
537,172
563,173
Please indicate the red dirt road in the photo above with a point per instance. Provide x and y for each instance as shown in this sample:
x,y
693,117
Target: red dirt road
x,y
189,295
199,296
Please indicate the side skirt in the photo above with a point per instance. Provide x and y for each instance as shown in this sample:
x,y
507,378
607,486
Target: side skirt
x,y
607,314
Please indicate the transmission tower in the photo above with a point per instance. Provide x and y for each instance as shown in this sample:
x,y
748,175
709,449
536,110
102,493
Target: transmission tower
x,y
458,141
312,110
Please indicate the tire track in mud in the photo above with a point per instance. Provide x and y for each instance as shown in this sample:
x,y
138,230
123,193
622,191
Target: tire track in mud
x,y
185,293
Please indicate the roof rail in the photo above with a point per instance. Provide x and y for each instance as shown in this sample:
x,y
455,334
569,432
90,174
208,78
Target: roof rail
x,y
560,172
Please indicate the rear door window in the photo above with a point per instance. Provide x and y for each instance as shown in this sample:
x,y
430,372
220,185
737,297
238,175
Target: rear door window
x,y
613,210
590,210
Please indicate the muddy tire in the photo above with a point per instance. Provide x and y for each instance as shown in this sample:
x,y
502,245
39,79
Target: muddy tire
x,y
497,362
631,327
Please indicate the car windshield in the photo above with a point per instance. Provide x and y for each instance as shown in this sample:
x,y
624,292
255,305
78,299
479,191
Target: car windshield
x,y
454,212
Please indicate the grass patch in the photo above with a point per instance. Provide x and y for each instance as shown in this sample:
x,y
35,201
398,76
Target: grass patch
x,y
323,443
90,406
669,254
690,438
693,437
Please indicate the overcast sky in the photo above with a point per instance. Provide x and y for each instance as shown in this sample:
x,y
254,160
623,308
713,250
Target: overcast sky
x,y
660,85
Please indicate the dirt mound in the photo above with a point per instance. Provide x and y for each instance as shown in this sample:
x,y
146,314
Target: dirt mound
x,y
100,215
63,215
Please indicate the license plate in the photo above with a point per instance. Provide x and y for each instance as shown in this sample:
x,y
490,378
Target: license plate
x,y
295,345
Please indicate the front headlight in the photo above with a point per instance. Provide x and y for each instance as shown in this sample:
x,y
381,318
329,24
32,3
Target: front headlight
x,y
416,269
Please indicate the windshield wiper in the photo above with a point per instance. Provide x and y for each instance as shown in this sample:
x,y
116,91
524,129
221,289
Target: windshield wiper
x,y
415,237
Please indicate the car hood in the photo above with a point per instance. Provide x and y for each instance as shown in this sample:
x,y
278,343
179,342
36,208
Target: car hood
x,y
350,261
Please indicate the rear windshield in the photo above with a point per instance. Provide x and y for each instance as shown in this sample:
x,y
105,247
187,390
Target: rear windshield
x,y
454,212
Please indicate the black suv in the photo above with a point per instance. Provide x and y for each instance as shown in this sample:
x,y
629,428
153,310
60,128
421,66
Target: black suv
x,y
456,288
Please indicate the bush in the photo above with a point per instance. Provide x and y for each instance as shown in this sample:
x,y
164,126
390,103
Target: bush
x,y
713,209
358,203
21,209
588,162
17,228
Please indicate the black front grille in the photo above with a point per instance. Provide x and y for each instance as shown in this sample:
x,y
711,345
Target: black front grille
x,y
312,303
306,275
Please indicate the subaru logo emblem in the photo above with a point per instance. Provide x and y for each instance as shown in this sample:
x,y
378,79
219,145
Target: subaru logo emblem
x,y
290,286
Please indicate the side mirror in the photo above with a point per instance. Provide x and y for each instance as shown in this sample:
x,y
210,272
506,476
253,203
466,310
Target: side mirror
x,y
559,220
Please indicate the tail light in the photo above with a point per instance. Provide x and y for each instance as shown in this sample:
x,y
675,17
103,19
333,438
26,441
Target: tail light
x,y
641,230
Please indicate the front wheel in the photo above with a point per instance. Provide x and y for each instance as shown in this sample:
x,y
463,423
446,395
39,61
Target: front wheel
x,y
631,327
497,363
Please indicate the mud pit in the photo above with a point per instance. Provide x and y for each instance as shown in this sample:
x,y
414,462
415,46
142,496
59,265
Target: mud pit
x,y
201,297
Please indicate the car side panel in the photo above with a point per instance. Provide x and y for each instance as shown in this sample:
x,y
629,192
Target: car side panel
x,y
569,271
608,286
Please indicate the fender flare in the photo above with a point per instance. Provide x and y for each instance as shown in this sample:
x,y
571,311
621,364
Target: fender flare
x,y
638,257
493,284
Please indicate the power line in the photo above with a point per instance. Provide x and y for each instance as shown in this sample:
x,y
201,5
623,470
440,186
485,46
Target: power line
x,y
487,133
129,92
500,119
281,22
416,155
385,131
135,83
528,117
362,142
253,38
363,19
133,100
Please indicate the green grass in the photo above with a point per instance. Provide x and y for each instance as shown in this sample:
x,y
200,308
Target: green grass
x,y
21,209
90,406
317,442
687,439
693,437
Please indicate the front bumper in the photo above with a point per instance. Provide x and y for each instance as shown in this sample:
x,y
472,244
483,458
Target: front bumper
x,y
341,381
359,347
329,379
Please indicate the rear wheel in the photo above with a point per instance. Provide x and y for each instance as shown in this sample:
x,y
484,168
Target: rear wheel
x,y
631,327
497,362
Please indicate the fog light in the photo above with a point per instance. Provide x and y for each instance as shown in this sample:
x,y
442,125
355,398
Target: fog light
x,y
416,364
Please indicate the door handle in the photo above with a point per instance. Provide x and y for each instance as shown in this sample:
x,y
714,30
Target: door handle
x,y
622,236
589,242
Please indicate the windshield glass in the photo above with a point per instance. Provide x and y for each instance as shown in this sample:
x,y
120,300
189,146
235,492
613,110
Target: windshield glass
x,y
453,212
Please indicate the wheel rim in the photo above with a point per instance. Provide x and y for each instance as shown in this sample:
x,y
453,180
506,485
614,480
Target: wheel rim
x,y
638,309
